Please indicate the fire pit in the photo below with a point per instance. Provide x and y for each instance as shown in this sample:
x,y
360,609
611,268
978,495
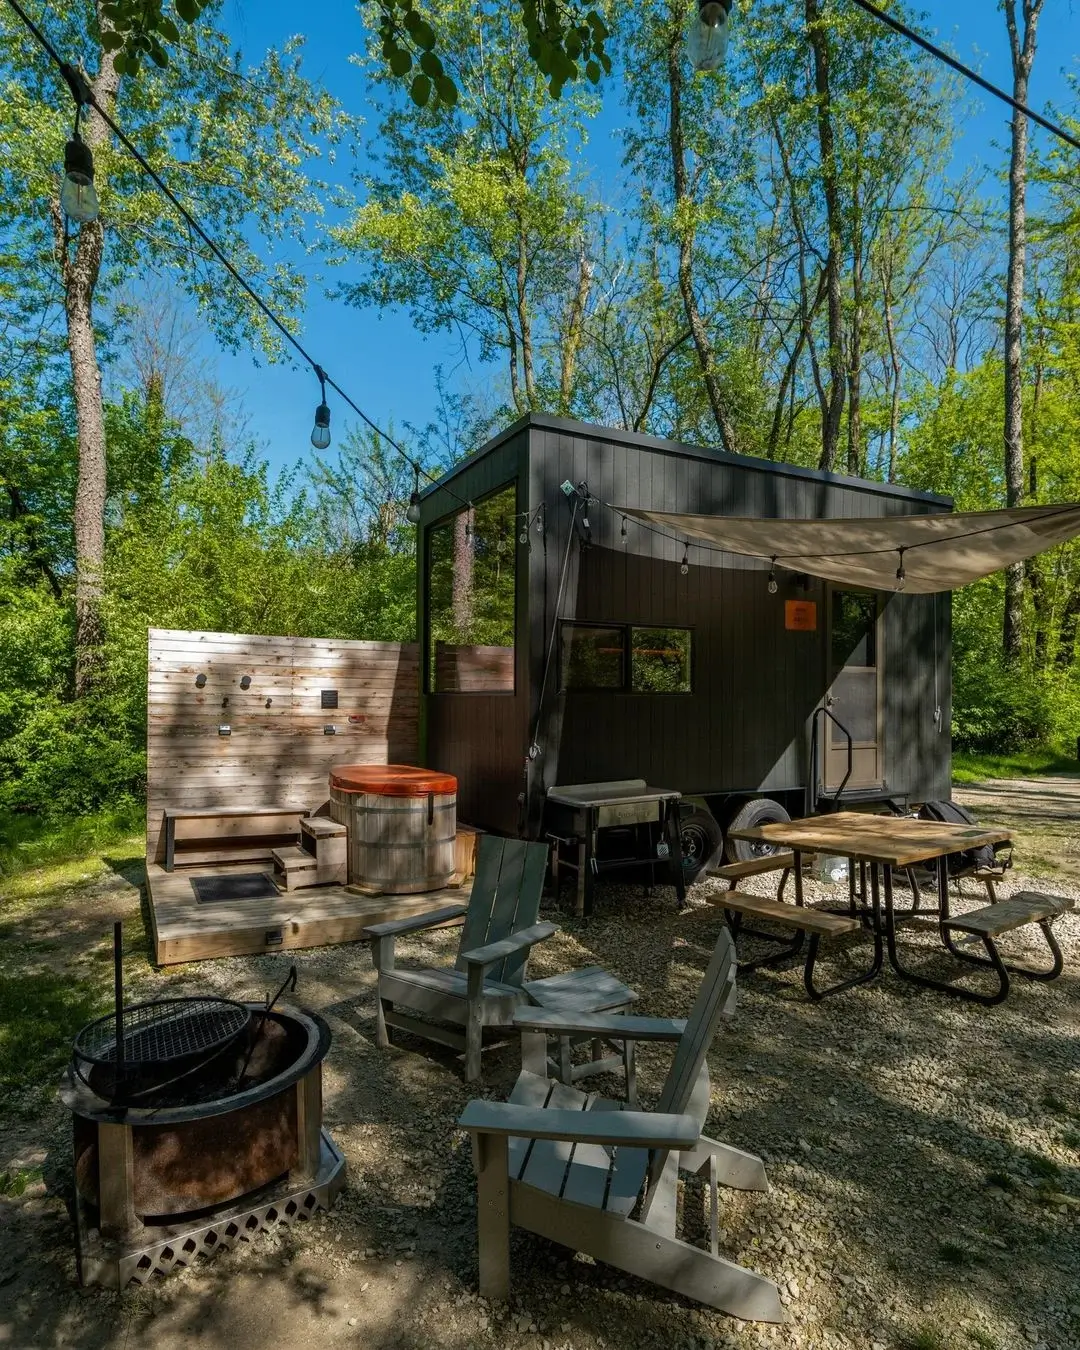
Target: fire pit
x,y
203,1160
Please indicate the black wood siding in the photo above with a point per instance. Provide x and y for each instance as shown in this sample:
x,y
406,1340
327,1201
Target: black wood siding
x,y
746,724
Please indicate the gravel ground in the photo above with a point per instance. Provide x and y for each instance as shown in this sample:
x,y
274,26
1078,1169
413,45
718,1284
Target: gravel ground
x,y
923,1153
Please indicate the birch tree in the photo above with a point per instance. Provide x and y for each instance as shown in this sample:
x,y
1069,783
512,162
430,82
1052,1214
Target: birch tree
x,y
233,141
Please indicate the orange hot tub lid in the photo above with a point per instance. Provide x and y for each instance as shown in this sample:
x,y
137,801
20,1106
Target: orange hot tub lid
x,y
391,780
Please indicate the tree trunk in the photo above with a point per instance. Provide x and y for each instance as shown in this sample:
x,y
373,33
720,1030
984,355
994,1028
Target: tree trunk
x,y
461,586
80,266
683,210
834,404
571,344
894,362
1023,55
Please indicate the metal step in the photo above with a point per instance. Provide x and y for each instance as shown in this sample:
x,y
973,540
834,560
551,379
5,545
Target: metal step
x,y
853,798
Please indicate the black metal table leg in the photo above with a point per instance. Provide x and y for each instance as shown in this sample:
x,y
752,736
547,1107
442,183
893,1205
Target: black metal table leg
x,y
674,838
926,981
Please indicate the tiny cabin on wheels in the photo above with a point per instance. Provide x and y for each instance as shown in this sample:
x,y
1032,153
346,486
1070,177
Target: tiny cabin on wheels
x,y
565,642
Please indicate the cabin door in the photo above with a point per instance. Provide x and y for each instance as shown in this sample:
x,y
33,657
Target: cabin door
x,y
854,694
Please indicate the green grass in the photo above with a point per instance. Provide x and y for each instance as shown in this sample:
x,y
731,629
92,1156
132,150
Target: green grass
x,y
973,768
39,1015
29,841
982,1339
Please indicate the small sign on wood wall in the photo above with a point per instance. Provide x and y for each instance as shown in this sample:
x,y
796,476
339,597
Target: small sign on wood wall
x,y
800,616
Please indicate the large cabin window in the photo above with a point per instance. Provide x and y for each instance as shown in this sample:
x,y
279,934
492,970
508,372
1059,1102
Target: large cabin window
x,y
471,583
626,658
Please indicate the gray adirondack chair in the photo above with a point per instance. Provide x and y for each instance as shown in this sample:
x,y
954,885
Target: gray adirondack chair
x,y
602,1178
483,989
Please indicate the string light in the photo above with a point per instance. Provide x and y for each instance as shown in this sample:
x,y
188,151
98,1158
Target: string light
x,y
320,432
412,515
684,566
707,36
901,576
622,532
773,588
78,197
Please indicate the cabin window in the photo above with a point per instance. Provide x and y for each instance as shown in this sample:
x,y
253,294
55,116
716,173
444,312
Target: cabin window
x,y
854,629
593,656
660,660
625,658
471,584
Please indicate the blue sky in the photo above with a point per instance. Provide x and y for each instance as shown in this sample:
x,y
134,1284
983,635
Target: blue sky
x,y
386,366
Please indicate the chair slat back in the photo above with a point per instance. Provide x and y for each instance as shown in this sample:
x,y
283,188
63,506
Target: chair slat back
x,y
716,995
505,898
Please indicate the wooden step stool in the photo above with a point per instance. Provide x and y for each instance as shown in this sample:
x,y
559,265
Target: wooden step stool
x,y
320,859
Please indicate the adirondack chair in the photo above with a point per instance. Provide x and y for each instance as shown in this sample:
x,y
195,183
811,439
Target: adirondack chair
x,y
484,987
602,1178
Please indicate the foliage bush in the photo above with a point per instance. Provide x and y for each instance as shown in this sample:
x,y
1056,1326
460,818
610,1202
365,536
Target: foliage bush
x,y
194,540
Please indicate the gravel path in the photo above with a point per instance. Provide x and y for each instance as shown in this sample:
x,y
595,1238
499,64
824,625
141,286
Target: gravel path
x,y
924,1158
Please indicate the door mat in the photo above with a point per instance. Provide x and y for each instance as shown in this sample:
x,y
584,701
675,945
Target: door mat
x,y
246,886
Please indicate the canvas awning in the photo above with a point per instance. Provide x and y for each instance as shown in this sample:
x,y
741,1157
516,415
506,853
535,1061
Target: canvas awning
x,y
937,552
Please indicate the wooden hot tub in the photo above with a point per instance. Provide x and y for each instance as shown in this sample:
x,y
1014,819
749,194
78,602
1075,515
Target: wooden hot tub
x,y
401,823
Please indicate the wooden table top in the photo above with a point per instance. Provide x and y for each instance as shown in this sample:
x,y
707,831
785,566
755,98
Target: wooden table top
x,y
895,841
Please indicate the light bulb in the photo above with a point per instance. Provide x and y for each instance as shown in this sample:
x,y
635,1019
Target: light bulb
x,y
77,195
412,515
684,566
773,587
706,38
523,537
320,432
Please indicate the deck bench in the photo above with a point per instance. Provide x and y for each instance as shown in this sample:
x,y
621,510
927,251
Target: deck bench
x,y
992,921
228,833
813,923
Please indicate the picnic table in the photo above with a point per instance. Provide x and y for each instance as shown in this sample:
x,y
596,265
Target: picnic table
x,y
883,844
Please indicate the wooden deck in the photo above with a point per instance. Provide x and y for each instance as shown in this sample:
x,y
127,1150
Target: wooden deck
x,y
184,930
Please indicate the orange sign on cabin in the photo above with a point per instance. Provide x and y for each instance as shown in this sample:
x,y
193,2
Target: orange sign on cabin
x,y
800,616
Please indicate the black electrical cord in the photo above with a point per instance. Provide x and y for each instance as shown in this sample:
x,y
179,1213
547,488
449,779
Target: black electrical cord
x,y
966,71
83,94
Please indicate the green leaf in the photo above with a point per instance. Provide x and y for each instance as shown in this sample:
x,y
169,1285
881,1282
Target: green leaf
x,y
188,10
111,40
592,71
431,65
446,90
159,56
168,29
420,91
400,61
424,35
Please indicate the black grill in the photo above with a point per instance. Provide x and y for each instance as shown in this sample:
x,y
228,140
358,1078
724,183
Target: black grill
x,y
163,1032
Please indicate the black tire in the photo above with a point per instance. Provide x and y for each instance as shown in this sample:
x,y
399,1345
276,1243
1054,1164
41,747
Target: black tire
x,y
702,841
757,811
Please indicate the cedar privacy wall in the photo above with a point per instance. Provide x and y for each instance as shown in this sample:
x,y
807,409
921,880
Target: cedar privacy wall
x,y
278,751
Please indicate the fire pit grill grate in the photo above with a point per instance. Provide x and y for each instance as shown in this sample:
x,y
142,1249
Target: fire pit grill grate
x,y
163,1032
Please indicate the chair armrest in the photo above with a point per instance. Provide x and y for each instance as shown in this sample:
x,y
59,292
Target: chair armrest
x,y
622,1025
516,942
395,927
638,1129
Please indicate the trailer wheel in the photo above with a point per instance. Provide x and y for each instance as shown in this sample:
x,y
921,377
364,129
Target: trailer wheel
x,y
702,841
757,811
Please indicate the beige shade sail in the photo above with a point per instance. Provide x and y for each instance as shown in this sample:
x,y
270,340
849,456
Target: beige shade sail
x,y
935,552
